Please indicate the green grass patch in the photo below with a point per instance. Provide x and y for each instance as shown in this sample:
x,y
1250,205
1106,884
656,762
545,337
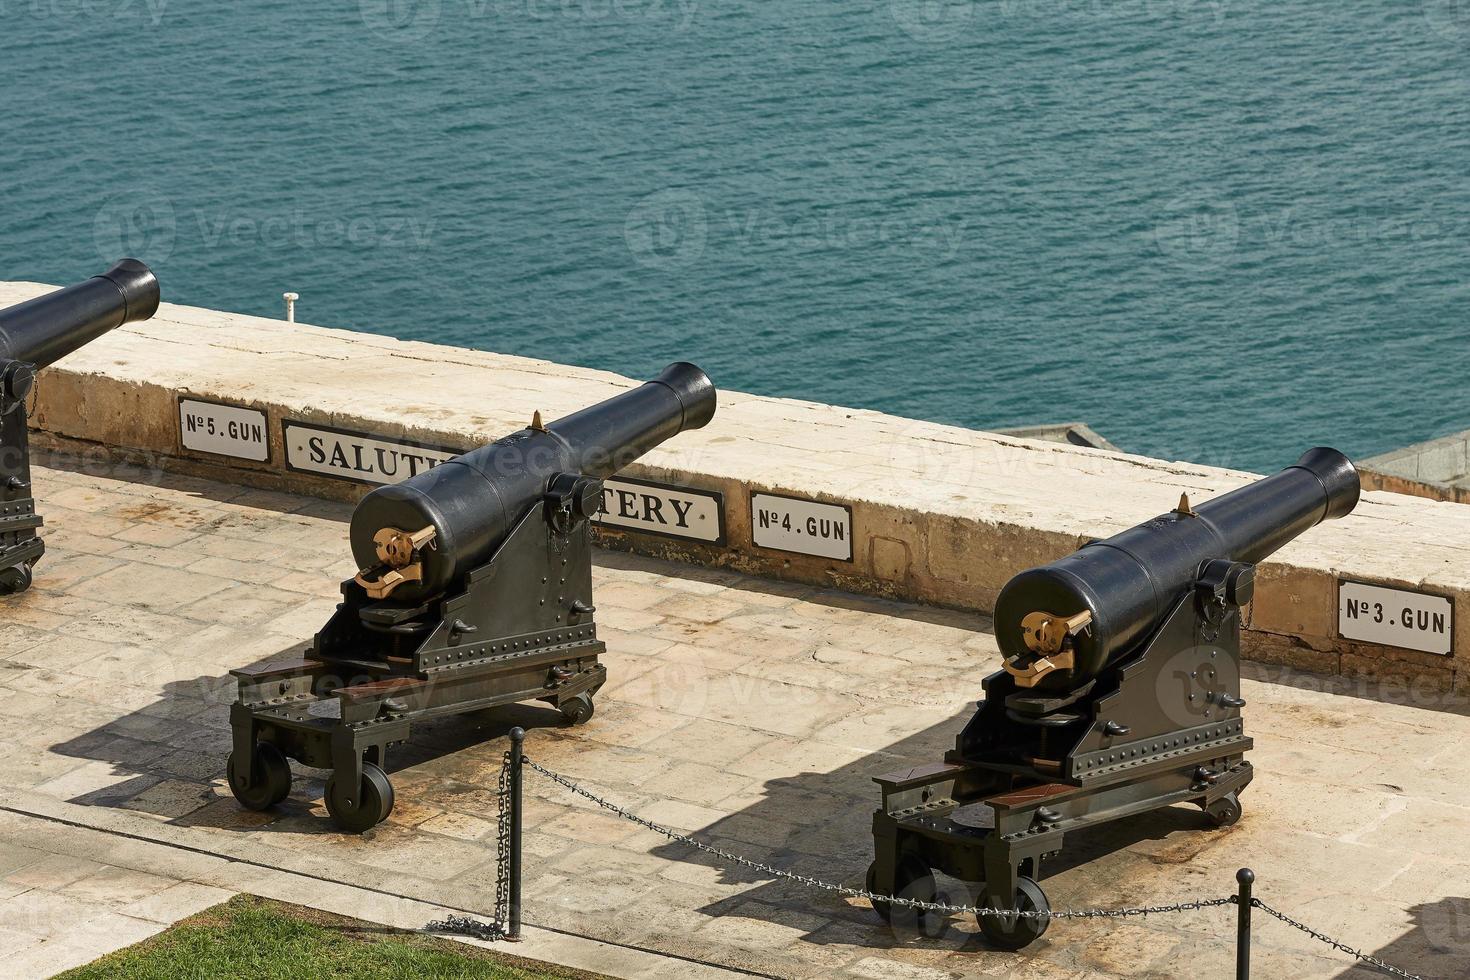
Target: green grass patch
x,y
249,938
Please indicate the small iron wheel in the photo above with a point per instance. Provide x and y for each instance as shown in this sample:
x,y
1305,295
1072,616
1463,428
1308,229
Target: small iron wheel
x,y
912,880
272,782
1225,811
1011,932
871,884
14,581
577,710
360,812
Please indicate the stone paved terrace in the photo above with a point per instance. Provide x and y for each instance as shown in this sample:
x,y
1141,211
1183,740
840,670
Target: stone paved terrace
x,y
750,712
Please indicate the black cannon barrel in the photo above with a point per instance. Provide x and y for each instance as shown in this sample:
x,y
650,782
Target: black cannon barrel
x,y
43,330
1131,581
473,500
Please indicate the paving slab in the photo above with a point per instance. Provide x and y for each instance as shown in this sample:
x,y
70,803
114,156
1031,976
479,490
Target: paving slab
x,y
751,714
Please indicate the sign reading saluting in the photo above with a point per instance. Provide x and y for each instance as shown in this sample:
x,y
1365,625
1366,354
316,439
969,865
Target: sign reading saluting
x,y
356,456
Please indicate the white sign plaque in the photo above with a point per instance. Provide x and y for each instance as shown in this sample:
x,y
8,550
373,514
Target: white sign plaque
x,y
356,456
1395,617
806,527
663,508
223,430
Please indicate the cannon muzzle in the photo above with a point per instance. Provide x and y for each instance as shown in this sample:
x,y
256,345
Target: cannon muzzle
x,y
613,433
43,330
432,528
1060,624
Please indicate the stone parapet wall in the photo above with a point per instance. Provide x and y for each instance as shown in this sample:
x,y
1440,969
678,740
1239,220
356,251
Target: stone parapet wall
x,y
1438,469
938,514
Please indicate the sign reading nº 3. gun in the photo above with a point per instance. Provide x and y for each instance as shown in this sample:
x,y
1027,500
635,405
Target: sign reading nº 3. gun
x,y
1395,617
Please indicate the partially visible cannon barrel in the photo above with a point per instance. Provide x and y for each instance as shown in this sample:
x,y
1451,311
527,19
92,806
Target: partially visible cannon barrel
x,y
473,500
1131,581
33,335
43,330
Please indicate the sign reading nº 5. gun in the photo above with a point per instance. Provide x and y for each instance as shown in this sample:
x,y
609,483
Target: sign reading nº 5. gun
x,y
1395,617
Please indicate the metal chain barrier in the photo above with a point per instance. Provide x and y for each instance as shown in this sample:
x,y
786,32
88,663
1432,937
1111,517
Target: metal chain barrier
x,y
504,885
502,845
766,869
463,925
1335,944
496,929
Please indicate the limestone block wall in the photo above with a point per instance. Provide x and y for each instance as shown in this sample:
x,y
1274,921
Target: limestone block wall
x,y
1438,469
938,514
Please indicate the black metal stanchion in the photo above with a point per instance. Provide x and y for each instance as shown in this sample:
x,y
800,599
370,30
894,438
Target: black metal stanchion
x,y
1245,877
517,757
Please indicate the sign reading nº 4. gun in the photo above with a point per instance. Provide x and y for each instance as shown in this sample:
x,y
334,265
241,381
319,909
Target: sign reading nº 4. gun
x,y
1395,617
806,527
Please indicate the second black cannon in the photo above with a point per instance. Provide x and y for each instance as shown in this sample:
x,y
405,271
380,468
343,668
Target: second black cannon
x,y
1119,693
474,590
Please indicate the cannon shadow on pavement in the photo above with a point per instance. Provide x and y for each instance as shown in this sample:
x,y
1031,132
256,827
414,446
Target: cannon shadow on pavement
x,y
172,755
819,824
1438,945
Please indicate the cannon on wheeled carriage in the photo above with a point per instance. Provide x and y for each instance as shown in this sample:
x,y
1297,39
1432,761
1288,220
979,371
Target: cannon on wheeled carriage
x,y
1120,694
34,335
475,590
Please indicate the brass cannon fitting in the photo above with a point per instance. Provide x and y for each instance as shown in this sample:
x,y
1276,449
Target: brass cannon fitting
x,y
398,552
1048,636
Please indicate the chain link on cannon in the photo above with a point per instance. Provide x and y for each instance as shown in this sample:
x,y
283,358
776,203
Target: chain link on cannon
x,y
766,869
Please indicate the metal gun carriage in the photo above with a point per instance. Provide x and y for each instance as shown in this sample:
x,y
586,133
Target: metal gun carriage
x,y
1120,694
475,590
34,335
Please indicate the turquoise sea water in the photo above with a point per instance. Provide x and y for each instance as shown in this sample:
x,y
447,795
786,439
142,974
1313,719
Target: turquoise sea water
x,y
1215,231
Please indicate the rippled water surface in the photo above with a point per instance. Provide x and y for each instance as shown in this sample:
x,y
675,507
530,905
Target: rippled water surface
x,y
1215,231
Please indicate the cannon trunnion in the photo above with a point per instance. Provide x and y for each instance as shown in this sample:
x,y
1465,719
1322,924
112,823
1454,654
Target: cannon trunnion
x,y
475,591
1120,694
33,335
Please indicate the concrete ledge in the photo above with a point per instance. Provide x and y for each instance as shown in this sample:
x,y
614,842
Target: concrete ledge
x,y
939,514
1438,469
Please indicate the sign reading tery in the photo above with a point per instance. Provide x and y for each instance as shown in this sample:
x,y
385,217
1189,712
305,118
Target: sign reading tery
x,y
223,430
806,527
627,504
662,508
357,456
1395,617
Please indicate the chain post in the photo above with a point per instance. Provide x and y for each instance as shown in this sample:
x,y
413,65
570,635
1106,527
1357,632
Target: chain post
x,y
1245,877
517,758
